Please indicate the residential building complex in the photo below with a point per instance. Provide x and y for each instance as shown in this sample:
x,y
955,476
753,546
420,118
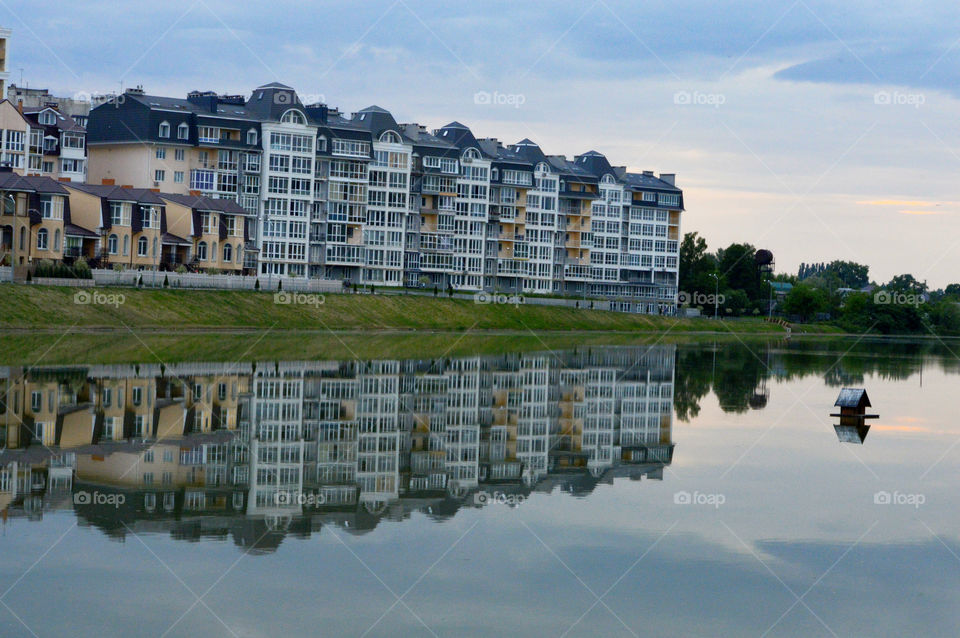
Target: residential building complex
x,y
282,440
369,200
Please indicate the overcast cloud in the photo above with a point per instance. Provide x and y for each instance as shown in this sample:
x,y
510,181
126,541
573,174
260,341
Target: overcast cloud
x,y
818,130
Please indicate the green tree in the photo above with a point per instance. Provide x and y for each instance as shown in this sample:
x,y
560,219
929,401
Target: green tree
x,y
696,264
906,284
805,301
738,269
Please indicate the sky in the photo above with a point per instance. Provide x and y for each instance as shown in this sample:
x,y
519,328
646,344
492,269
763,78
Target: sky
x,y
817,130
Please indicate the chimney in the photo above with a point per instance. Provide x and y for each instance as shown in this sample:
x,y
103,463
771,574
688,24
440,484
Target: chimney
x,y
194,193
670,178
127,186
648,173
108,182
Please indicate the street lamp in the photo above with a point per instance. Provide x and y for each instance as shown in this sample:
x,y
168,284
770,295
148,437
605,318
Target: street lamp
x,y
716,294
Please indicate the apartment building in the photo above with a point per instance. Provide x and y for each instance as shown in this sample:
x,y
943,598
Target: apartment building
x,y
15,150
5,34
57,145
77,107
365,199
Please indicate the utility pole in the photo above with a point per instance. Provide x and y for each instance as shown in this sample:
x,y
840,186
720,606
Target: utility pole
x,y
716,294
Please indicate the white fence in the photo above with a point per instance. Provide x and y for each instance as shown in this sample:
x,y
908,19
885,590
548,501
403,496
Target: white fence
x,y
6,273
148,278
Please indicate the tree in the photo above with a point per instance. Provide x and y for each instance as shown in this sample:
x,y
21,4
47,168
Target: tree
x,y
736,263
696,265
907,285
735,301
805,301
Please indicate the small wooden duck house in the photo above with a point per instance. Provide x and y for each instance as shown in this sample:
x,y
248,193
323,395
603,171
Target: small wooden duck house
x,y
853,404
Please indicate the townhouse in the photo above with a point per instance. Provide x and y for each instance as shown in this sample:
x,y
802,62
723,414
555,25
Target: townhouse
x,y
35,219
113,226
365,199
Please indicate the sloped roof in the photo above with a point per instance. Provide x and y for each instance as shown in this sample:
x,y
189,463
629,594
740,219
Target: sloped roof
x,y
118,193
852,398
200,202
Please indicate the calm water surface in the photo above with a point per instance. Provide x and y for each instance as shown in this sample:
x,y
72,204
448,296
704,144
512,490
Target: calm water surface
x,y
688,490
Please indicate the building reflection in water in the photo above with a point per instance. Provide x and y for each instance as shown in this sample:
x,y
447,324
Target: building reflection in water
x,y
258,451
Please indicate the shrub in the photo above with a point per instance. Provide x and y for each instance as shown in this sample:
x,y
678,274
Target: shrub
x,y
166,281
181,269
256,285
118,267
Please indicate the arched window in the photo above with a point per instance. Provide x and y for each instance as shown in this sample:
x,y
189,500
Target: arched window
x,y
202,251
43,239
142,247
471,153
164,129
608,179
542,167
112,244
56,241
293,117
126,245
227,253
183,131
390,137
252,137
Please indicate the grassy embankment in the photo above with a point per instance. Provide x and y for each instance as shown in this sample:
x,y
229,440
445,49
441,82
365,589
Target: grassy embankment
x,y
53,308
43,326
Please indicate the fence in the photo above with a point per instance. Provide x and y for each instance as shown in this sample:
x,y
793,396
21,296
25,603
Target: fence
x,y
103,277
150,279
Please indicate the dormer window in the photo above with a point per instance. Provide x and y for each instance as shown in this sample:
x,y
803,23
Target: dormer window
x,y
293,117
321,143
164,129
47,118
252,137
389,137
183,131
